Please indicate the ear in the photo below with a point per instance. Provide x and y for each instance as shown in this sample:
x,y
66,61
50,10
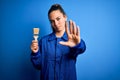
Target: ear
x,y
65,17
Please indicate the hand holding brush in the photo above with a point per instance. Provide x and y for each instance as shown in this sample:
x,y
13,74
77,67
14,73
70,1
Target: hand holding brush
x,y
34,45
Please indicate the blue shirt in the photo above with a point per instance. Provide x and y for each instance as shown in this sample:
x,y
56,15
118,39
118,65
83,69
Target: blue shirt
x,y
56,61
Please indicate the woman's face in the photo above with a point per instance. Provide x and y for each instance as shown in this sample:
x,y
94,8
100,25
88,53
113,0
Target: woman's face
x,y
57,20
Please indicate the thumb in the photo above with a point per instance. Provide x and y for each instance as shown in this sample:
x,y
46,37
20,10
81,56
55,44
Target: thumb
x,y
63,43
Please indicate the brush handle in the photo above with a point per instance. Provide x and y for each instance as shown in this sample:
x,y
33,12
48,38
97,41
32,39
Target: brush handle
x,y
35,37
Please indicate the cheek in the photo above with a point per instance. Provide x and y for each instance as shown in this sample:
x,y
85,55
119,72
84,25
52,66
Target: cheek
x,y
62,21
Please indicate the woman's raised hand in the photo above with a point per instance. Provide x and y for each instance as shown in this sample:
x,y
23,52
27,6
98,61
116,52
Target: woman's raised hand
x,y
73,34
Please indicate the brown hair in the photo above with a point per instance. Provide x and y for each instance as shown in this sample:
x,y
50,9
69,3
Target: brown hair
x,y
56,7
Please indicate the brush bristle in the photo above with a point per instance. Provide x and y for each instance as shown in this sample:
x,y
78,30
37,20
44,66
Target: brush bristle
x,y
35,30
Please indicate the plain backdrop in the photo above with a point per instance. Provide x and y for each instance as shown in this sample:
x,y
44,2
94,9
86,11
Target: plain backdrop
x,y
99,22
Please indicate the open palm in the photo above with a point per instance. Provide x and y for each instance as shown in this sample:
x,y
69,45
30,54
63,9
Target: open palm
x,y
73,34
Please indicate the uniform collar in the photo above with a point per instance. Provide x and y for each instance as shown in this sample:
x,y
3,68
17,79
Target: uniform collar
x,y
53,36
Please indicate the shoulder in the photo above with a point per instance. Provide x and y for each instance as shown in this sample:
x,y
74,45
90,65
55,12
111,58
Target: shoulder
x,y
46,37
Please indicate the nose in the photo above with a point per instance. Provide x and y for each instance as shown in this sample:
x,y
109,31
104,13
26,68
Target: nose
x,y
56,23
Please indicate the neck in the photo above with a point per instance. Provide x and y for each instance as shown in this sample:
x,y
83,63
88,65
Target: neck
x,y
59,34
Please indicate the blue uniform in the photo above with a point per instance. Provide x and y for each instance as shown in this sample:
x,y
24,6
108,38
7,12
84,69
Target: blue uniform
x,y
56,61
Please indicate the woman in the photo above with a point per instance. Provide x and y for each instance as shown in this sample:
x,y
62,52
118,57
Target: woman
x,y
55,54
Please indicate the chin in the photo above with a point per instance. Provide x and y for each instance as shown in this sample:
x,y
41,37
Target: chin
x,y
59,30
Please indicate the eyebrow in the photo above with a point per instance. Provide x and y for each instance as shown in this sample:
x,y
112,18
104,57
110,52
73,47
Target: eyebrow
x,y
55,18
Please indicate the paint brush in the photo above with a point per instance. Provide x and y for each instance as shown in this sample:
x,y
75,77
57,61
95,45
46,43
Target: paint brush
x,y
36,33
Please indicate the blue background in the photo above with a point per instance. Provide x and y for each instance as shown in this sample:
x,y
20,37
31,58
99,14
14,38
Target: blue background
x,y
99,21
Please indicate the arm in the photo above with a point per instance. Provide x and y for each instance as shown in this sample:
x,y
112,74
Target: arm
x,y
78,49
36,55
76,44
36,60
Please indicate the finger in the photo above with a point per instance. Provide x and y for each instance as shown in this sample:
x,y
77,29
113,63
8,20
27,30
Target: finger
x,y
71,26
34,48
34,41
74,27
34,45
66,28
63,43
78,30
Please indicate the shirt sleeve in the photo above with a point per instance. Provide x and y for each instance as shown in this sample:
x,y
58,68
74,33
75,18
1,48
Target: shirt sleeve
x,y
36,59
78,49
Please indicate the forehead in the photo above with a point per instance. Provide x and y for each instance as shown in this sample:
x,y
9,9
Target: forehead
x,y
54,14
